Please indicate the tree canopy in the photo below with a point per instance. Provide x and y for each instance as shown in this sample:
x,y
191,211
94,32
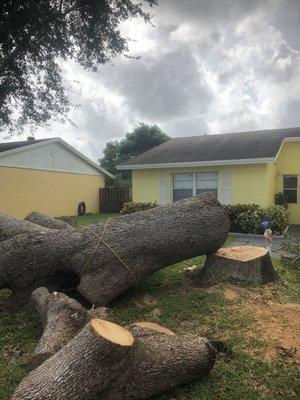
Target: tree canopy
x,y
36,35
143,138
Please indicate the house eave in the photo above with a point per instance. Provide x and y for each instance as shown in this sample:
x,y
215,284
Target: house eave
x,y
198,163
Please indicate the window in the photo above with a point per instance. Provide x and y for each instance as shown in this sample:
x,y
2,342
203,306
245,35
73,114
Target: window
x,y
182,186
207,182
290,187
189,184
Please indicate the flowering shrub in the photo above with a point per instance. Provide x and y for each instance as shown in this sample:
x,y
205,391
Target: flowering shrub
x,y
132,207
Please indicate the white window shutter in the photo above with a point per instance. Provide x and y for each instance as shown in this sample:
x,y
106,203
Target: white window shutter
x,y
163,189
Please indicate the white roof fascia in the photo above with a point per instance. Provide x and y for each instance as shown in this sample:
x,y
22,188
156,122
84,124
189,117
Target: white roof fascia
x,y
198,163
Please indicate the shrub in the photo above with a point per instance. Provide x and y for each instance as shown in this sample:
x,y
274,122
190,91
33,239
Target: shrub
x,y
132,207
234,210
281,200
247,218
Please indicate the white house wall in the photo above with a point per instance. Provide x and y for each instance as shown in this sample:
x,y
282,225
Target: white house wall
x,y
49,157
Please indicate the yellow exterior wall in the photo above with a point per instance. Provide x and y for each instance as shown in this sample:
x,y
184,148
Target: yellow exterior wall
x,y
249,182
52,193
288,163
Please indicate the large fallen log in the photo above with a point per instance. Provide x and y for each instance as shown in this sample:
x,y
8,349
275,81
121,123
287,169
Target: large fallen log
x,y
160,361
107,259
48,222
82,368
242,264
62,318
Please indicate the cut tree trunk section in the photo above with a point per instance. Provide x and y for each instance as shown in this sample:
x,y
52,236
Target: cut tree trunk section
x,y
46,221
159,362
82,368
62,318
243,264
11,226
133,246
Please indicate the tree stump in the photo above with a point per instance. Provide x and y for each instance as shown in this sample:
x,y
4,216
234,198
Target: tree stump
x,y
242,264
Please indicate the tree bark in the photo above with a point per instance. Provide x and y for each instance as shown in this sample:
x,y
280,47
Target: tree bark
x,y
11,226
83,367
243,264
145,242
62,318
160,362
46,221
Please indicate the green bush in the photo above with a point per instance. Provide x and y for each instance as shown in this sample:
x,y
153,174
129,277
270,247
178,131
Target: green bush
x,y
281,200
247,218
132,207
234,211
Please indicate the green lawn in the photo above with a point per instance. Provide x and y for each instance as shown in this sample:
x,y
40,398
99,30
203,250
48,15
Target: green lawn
x,y
238,320
89,218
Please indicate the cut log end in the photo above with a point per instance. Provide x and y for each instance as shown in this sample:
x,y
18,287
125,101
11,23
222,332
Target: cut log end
x,y
243,264
112,332
152,326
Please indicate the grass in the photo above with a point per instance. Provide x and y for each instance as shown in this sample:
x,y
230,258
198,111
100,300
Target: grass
x,y
89,218
241,371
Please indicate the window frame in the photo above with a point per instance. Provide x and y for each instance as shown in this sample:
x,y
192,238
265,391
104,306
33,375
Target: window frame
x,y
284,189
194,181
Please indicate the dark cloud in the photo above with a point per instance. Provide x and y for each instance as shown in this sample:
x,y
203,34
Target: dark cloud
x,y
206,66
161,87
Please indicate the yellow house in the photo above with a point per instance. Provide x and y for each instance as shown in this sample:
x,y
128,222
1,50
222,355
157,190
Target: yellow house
x,y
48,176
242,167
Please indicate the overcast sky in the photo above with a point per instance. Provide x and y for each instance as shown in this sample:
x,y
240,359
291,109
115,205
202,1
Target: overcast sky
x,y
206,66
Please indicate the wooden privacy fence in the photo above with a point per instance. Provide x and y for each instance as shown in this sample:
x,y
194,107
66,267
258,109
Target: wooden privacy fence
x,y
111,199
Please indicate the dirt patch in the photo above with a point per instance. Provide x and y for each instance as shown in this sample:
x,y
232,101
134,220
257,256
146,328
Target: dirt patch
x,y
278,325
230,295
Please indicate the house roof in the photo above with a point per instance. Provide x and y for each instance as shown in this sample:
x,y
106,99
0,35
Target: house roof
x,y
13,147
228,148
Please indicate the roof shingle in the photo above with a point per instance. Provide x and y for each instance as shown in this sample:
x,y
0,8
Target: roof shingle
x,y
5,146
229,146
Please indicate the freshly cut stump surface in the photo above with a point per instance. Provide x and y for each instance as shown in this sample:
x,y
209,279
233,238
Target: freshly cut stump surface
x,y
241,264
242,253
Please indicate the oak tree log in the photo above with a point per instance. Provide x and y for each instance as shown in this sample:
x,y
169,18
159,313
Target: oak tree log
x,y
145,242
62,318
11,226
242,264
83,367
46,221
160,361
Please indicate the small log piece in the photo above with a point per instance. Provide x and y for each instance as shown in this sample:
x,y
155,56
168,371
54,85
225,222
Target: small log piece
x,y
62,318
83,367
242,264
46,221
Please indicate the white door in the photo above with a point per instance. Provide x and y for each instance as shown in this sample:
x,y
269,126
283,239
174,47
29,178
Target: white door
x,y
226,188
